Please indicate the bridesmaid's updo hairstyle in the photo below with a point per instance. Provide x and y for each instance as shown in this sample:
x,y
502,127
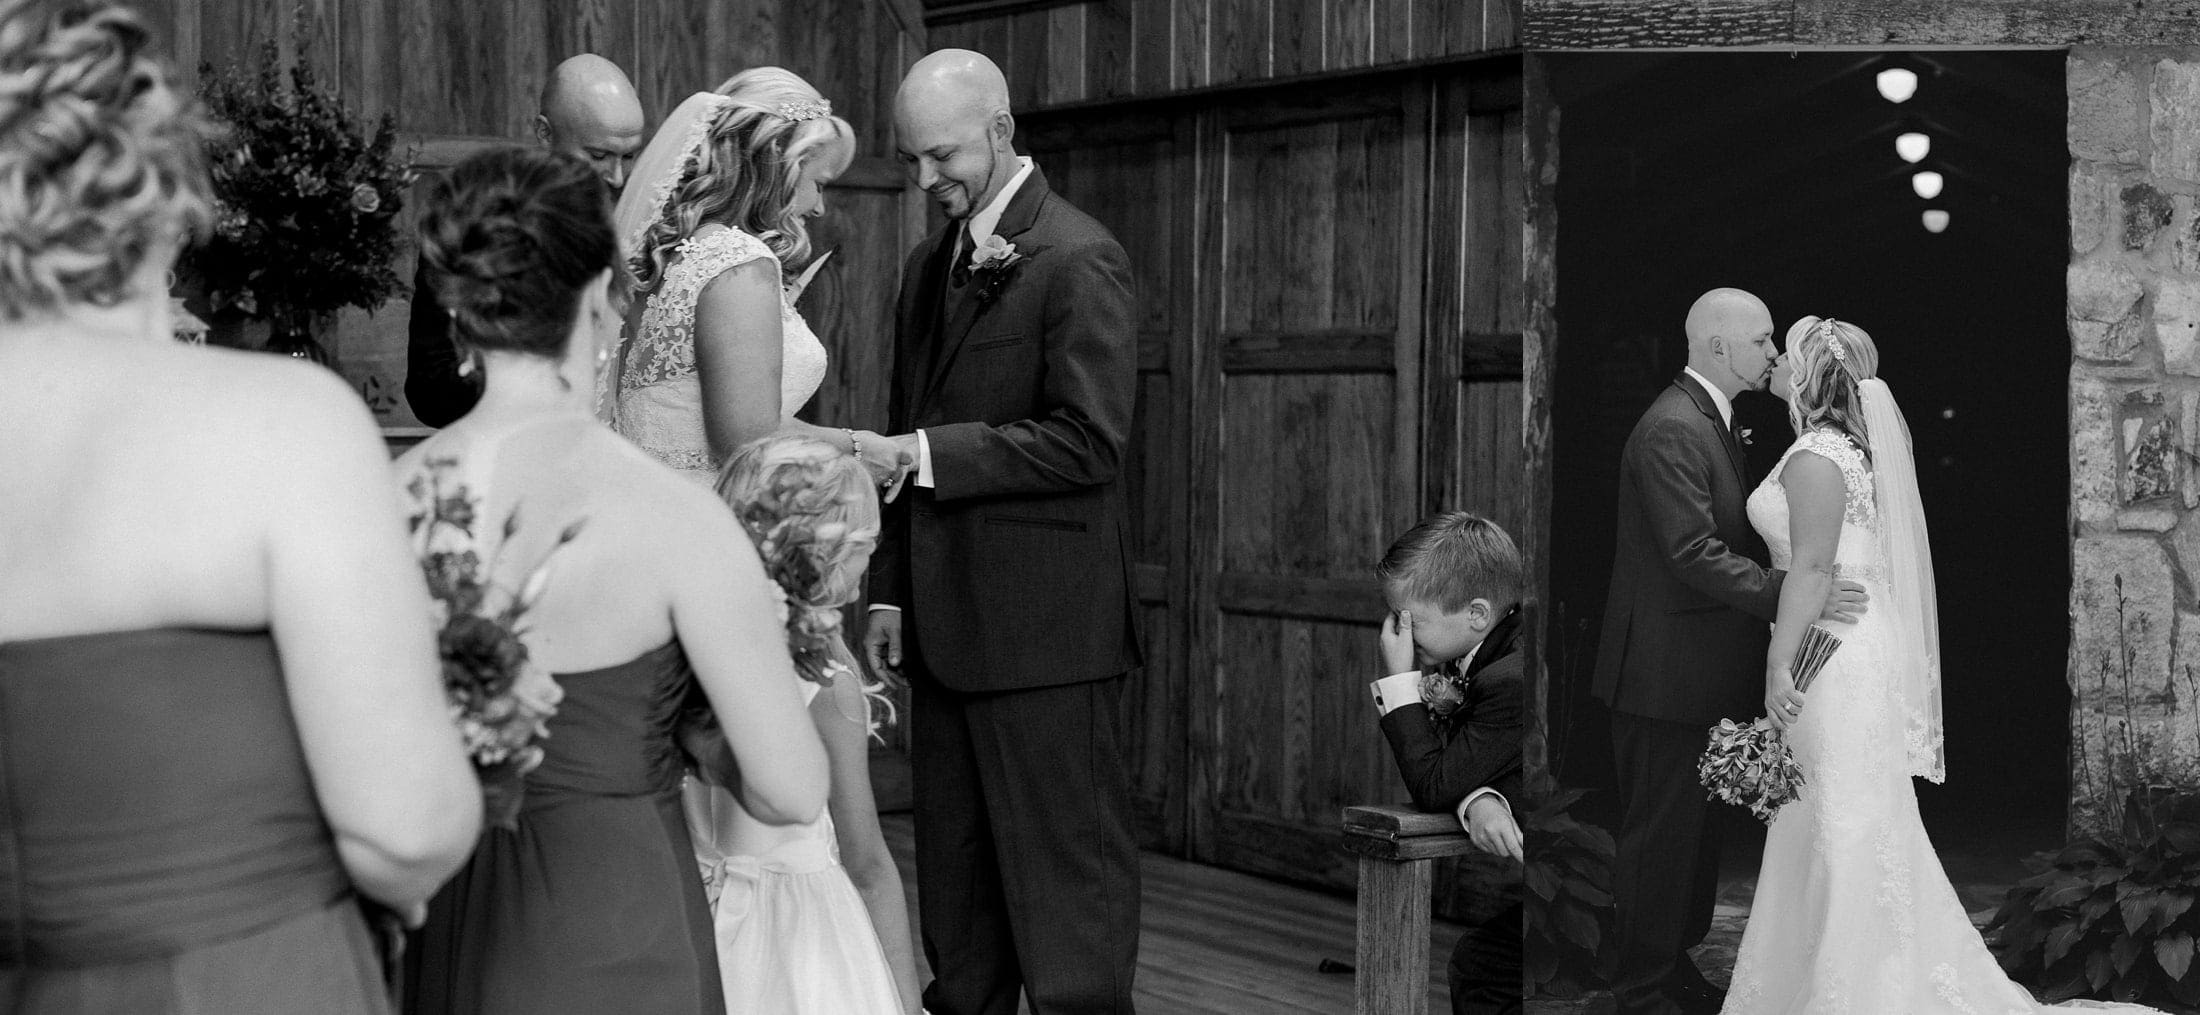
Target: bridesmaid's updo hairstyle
x,y
102,160
512,237
748,170
1828,358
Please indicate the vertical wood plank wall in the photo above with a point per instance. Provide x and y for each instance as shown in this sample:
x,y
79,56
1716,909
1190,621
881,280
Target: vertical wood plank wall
x,y
1066,52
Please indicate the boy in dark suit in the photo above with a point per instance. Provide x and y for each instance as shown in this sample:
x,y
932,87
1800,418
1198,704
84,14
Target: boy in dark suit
x,y
1451,710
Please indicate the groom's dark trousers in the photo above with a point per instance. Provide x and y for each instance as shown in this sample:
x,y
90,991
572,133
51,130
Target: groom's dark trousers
x,y
1683,646
1012,572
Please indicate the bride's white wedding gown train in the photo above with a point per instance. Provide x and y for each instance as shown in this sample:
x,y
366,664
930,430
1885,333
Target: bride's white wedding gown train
x,y
1853,912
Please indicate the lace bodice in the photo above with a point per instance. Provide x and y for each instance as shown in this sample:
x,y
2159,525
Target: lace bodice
x,y
1859,549
660,398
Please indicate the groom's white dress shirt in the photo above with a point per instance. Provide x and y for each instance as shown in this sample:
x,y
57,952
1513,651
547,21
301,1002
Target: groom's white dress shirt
x,y
1718,398
975,231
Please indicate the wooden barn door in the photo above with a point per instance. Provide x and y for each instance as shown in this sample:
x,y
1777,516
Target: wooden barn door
x,y
1127,172
1329,293
1306,460
1362,251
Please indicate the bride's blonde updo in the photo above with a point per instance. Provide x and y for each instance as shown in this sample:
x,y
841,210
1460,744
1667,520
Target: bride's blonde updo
x,y
748,170
101,158
1828,358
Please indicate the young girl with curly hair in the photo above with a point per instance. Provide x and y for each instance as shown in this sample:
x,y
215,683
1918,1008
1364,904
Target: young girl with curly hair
x,y
811,918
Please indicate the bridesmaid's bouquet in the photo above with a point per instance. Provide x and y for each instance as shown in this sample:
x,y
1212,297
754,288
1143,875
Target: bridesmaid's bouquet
x,y
500,698
1750,765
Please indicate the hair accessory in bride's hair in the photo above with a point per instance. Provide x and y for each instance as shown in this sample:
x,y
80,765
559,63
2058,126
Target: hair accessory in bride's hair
x,y
1833,340
805,110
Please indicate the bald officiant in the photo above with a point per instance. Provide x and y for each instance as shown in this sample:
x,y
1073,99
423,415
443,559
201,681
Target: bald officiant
x,y
588,110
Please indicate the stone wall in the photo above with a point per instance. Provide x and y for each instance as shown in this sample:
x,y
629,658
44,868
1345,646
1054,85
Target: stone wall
x,y
2134,315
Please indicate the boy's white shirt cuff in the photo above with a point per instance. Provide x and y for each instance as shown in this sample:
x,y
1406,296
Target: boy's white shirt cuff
x,y
885,606
1396,690
1476,795
924,460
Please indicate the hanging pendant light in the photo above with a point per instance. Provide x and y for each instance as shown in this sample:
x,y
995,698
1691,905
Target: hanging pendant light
x,y
1913,146
1936,220
1897,84
1927,184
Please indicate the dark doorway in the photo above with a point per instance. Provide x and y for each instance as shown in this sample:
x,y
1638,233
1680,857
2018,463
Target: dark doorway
x,y
1779,174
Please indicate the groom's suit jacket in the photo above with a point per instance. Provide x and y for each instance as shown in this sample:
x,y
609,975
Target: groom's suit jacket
x,y
1688,618
1014,569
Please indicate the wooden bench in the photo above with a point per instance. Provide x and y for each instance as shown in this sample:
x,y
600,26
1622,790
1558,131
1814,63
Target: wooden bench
x,y
1397,847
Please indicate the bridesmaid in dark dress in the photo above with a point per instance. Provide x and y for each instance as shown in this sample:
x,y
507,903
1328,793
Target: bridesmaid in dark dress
x,y
219,701
593,902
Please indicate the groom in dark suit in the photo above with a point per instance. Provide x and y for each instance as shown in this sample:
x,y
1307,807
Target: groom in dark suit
x,y
1686,628
1001,585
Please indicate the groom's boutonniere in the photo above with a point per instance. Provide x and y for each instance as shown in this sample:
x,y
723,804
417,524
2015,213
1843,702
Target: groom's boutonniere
x,y
994,258
1743,436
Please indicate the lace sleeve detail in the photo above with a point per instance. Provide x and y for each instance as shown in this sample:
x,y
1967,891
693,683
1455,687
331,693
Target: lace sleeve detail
x,y
664,341
1840,449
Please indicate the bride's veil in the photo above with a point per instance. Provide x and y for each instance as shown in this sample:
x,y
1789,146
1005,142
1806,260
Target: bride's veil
x,y
1908,552
656,174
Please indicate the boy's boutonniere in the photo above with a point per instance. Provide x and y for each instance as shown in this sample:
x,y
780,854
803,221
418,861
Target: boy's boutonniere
x,y
1443,691
1742,434
994,259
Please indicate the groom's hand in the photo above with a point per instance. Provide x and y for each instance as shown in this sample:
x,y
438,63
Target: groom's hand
x,y
1845,603
889,459
882,641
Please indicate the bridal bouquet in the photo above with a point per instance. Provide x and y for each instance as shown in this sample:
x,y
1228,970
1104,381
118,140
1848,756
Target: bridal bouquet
x,y
1750,765
499,697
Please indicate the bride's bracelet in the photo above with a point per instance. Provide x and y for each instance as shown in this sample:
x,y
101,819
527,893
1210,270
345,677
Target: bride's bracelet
x,y
855,444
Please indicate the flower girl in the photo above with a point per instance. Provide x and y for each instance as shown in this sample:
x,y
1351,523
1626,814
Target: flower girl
x,y
810,918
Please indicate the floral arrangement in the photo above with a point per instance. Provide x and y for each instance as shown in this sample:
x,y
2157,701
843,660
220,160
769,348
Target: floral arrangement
x,y
499,697
2112,915
1750,765
305,205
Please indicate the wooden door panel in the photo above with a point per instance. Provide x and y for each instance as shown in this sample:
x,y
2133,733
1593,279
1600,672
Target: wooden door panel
x,y
1310,210
1123,173
1306,481
1315,317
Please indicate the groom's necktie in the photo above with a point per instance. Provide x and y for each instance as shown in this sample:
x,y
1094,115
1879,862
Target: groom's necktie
x,y
959,271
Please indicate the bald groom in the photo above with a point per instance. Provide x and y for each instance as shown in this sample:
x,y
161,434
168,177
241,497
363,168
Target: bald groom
x,y
1001,586
588,110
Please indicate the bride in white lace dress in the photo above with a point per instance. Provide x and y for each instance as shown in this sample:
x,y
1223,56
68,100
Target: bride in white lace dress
x,y
715,355
715,358
1853,912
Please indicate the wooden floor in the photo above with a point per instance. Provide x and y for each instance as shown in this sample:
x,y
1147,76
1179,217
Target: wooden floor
x,y
1213,940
